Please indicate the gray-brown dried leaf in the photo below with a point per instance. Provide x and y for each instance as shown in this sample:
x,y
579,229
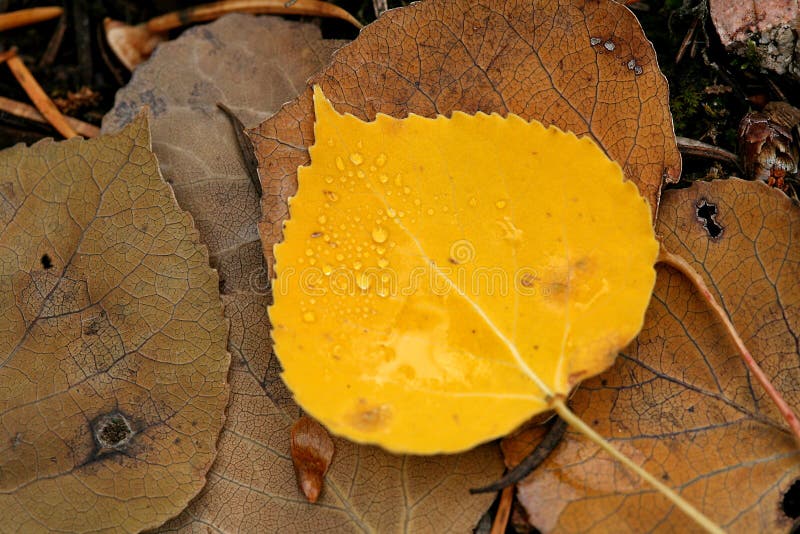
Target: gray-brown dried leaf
x,y
112,340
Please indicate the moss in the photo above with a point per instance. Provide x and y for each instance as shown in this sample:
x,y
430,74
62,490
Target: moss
x,y
748,58
697,113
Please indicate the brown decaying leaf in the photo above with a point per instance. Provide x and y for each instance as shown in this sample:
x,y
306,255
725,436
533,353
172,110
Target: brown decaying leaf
x,y
312,450
582,66
680,399
252,486
112,340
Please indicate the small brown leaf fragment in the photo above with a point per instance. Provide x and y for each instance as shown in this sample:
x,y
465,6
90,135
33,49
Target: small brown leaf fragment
x,y
585,67
312,450
77,100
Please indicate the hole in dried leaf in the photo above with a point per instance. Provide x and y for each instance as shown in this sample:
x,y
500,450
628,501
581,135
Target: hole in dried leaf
x,y
46,261
112,430
791,501
706,214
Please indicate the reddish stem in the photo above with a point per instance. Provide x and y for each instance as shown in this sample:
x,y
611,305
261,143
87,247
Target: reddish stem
x,y
680,264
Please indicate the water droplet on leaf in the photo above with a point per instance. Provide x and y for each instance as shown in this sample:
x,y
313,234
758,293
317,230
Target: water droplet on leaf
x,y
380,234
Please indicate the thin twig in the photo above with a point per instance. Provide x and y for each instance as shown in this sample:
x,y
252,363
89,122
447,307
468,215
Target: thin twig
x,y
693,147
7,54
24,17
38,96
777,90
245,146
503,511
54,44
681,265
686,40
206,12
530,462
21,109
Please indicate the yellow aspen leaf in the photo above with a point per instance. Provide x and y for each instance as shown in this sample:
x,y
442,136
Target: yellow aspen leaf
x,y
441,280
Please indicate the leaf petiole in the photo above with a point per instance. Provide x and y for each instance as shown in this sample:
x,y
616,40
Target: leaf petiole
x,y
575,422
681,265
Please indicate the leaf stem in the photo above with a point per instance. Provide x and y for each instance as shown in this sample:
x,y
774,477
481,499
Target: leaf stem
x,y
681,265
577,423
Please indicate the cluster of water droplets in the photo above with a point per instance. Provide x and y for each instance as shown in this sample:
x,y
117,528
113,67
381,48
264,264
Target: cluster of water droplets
x,y
351,247
347,259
